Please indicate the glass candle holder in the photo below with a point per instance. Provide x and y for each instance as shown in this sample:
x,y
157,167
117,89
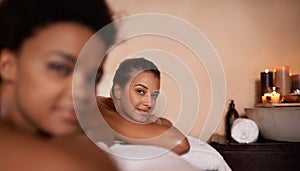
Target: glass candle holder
x,y
272,96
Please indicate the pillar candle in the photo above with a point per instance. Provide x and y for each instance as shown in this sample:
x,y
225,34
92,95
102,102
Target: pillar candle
x,y
283,80
266,80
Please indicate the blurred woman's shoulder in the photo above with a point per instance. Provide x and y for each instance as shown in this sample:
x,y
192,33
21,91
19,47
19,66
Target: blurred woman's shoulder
x,y
21,151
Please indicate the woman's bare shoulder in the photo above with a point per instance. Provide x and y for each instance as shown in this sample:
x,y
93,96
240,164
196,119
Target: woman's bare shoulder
x,y
102,99
25,152
105,102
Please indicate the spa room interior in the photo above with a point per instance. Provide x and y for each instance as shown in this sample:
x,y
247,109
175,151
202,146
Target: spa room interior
x,y
214,56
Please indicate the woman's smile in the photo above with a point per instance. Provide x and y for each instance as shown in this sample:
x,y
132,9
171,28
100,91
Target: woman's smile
x,y
67,113
144,111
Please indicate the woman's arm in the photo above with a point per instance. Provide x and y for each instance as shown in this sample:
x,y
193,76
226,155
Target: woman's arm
x,y
160,133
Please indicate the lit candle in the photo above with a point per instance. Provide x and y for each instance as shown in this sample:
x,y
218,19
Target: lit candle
x,y
266,81
275,98
272,97
264,99
283,79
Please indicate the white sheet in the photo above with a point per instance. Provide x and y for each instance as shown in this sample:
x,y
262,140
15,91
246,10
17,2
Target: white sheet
x,y
204,157
139,159
143,158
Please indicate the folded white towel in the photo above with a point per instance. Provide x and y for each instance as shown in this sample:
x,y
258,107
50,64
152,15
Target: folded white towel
x,y
244,130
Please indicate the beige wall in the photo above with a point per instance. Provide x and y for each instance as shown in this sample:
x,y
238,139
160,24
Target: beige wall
x,y
248,35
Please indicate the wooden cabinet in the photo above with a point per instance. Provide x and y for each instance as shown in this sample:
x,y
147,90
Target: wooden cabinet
x,y
261,155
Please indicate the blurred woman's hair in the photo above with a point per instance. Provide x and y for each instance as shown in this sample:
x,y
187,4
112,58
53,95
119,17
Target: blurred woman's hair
x,y
21,19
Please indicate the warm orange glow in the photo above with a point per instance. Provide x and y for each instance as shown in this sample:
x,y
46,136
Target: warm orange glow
x,y
272,97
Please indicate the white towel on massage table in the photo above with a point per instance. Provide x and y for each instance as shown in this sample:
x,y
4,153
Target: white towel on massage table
x,y
204,157
140,157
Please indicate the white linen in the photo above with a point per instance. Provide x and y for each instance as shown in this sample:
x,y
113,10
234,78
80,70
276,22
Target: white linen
x,y
148,158
204,157
143,158
244,130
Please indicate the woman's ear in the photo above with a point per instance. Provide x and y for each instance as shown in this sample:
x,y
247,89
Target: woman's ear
x,y
8,65
117,91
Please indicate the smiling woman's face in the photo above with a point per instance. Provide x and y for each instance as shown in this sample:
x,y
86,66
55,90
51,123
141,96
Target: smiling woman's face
x,y
43,79
138,98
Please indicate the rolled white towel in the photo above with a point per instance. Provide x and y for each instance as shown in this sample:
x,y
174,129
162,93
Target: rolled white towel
x,y
244,130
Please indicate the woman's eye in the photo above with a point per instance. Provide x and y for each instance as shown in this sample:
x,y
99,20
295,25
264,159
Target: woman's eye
x,y
61,69
141,92
154,95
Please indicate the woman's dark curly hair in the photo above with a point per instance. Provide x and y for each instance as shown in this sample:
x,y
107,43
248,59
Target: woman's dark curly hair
x,y
20,19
